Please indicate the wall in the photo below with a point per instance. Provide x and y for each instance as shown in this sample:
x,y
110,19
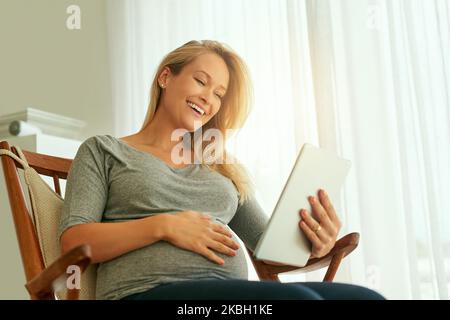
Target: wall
x,y
47,66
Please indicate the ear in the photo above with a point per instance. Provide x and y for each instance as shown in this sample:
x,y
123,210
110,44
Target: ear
x,y
164,76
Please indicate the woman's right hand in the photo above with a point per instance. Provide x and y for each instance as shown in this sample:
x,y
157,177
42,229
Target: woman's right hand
x,y
196,232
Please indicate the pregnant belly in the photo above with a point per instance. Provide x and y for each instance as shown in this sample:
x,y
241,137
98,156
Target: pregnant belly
x,y
162,262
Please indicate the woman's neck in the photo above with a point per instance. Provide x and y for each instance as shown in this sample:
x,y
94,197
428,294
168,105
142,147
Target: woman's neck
x,y
157,134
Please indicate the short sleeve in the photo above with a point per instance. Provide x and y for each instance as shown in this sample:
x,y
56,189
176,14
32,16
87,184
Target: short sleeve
x,y
249,222
86,187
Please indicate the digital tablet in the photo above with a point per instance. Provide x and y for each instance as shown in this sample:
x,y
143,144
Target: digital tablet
x,y
315,168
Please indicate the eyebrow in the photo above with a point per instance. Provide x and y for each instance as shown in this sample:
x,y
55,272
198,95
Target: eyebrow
x,y
207,74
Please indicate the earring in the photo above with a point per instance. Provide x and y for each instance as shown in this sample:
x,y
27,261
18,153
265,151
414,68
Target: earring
x,y
162,85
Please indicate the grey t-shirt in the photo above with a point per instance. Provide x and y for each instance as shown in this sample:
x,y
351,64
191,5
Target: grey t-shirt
x,y
111,181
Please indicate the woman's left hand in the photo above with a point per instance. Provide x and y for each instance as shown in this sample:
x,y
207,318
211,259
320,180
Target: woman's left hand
x,y
323,227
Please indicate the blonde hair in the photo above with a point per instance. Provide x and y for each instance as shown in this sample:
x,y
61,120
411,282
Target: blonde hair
x,y
235,108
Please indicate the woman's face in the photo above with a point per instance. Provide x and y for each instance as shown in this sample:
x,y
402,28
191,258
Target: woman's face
x,y
201,84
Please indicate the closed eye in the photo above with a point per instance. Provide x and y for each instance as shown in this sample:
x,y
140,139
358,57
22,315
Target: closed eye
x,y
201,82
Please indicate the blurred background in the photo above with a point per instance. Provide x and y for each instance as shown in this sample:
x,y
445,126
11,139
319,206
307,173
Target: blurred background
x,y
369,79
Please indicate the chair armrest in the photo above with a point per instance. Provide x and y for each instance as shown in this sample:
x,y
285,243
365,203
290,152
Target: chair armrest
x,y
342,247
44,284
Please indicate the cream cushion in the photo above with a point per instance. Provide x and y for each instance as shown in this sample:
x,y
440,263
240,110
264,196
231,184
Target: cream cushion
x,y
46,208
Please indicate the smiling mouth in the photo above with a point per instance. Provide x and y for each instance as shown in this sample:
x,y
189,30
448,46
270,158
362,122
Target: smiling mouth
x,y
199,111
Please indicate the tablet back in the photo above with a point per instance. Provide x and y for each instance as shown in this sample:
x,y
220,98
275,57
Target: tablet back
x,y
314,169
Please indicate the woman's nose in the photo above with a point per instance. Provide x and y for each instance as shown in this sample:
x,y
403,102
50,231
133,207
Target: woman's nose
x,y
205,97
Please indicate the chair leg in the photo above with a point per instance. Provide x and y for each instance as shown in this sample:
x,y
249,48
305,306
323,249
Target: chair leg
x,y
273,277
264,274
333,267
73,294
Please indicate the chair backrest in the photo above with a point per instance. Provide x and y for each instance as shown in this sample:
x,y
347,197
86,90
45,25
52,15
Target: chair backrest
x,y
36,232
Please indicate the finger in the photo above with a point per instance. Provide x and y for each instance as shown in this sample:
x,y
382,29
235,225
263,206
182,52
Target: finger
x,y
326,203
311,235
220,247
226,241
218,228
313,224
319,212
211,256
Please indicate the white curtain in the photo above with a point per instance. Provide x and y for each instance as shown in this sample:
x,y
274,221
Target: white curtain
x,y
382,81
368,79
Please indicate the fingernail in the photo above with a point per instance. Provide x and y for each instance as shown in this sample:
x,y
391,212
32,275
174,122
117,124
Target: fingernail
x,y
311,198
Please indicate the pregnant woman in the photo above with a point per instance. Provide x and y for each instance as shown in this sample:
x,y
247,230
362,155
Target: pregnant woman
x,y
161,228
